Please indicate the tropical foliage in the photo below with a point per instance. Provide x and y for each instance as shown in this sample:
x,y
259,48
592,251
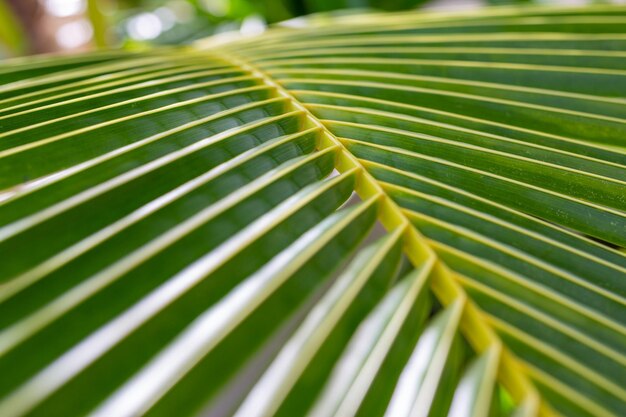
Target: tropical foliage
x,y
12,39
385,214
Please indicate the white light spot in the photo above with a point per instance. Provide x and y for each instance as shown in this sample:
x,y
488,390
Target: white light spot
x,y
183,11
252,25
217,8
167,17
144,26
296,22
64,8
74,34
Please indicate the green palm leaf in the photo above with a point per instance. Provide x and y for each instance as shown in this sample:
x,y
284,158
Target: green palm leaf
x,y
384,214
12,36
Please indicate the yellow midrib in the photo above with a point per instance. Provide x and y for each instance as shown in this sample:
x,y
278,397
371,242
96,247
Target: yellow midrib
x,y
511,371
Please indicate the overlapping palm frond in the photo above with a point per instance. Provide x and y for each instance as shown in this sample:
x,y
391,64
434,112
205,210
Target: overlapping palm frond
x,y
388,214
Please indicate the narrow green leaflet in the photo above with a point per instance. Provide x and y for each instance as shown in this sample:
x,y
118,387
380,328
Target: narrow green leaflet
x,y
416,214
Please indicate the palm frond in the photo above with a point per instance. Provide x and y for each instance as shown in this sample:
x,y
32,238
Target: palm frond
x,y
384,214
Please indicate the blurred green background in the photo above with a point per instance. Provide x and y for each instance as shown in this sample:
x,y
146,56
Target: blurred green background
x,y
43,26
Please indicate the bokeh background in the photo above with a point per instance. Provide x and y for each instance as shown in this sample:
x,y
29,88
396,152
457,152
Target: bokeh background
x,y
70,26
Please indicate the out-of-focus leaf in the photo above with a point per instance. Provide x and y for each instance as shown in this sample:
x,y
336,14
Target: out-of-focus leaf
x,y
370,215
12,35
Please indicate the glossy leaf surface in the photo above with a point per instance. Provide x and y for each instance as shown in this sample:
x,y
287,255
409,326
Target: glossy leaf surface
x,y
374,215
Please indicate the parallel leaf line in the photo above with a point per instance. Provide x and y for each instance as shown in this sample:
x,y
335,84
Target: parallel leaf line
x,y
283,373
416,155
147,386
431,380
448,63
388,25
80,72
79,357
32,145
30,221
485,390
19,283
559,357
390,187
507,10
135,86
28,188
508,225
44,60
394,309
583,53
408,118
97,81
406,88
596,410
446,80
594,258
460,144
516,253
390,104
546,292
124,103
252,47
416,248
